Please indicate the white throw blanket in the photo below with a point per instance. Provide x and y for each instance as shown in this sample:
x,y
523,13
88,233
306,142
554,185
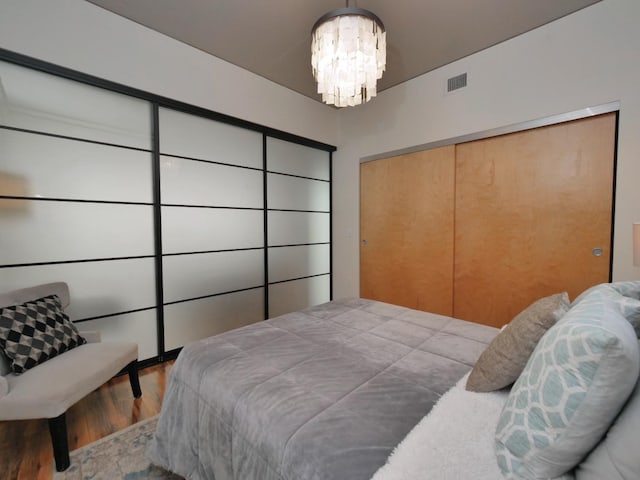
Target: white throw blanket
x,y
453,442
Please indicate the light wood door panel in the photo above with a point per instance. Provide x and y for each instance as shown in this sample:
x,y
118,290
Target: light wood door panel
x,y
530,208
406,230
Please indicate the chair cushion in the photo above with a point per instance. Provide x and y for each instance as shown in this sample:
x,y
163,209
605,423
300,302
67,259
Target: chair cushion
x,y
504,359
575,383
4,386
52,387
5,364
35,331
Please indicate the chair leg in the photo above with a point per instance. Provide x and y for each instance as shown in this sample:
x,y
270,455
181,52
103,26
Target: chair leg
x,y
58,431
134,380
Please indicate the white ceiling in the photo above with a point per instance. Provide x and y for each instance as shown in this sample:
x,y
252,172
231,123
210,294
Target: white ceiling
x,y
272,37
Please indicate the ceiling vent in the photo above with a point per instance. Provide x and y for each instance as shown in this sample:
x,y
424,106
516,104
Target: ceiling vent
x,y
457,82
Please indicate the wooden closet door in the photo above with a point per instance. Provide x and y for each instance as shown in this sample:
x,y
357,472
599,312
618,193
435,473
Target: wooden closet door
x,y
406,230
530,209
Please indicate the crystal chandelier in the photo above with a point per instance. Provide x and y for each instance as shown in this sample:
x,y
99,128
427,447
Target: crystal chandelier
x,y
348,55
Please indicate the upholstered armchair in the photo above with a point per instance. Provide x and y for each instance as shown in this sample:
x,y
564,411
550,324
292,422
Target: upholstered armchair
x,y
48,389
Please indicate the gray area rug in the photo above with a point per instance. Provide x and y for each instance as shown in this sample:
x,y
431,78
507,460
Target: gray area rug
x,y
119,456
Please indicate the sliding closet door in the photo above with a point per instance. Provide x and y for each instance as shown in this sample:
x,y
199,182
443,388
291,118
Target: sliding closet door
x,y
212,226
299,226
76,200
406,230
533,216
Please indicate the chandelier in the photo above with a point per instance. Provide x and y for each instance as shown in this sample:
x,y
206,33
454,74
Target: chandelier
x,y
348,55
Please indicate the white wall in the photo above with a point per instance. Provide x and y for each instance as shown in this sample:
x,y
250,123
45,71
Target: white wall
x,y
87,38
586,59
589,58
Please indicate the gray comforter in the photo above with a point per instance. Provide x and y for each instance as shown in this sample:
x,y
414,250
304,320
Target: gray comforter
x,y
321,394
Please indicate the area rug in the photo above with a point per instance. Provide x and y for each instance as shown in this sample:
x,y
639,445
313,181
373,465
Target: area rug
x,y
119,456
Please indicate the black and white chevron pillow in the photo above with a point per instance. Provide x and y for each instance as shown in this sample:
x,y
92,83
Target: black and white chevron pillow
x,y
36,331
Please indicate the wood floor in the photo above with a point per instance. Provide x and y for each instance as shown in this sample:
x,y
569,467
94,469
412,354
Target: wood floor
x,y
25,445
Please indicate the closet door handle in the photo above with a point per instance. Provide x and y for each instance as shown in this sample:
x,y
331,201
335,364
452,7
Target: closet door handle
x,y
597,252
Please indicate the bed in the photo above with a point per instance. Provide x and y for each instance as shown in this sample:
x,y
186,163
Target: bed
x,y
356,390
325,393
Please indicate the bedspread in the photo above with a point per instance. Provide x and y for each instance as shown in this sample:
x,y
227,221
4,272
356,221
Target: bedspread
x,y
322,394
456,439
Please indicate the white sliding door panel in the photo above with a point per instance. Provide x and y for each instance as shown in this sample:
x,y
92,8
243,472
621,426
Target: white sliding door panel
x,y
96,288
287,228
188,229
43,231
139,327
295,159
42,166
190,136
191,276
189,182
298,217
189,321
292,193
287,263
86,203
299,294
33,100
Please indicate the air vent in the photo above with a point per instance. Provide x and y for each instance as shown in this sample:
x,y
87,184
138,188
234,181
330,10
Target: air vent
x,y
457,82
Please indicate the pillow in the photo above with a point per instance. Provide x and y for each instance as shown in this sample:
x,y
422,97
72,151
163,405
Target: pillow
x,y
629,289
626,296
505,357
36,331
573,386
616,456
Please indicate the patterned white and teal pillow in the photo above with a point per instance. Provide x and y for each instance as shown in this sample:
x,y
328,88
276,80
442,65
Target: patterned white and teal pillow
x,y
626,296
573,386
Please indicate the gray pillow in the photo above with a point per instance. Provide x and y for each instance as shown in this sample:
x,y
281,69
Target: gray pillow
x,y
504,359
573,386
616,457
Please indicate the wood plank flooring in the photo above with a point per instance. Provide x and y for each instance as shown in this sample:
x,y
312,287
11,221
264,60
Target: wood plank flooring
x,y
25,445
